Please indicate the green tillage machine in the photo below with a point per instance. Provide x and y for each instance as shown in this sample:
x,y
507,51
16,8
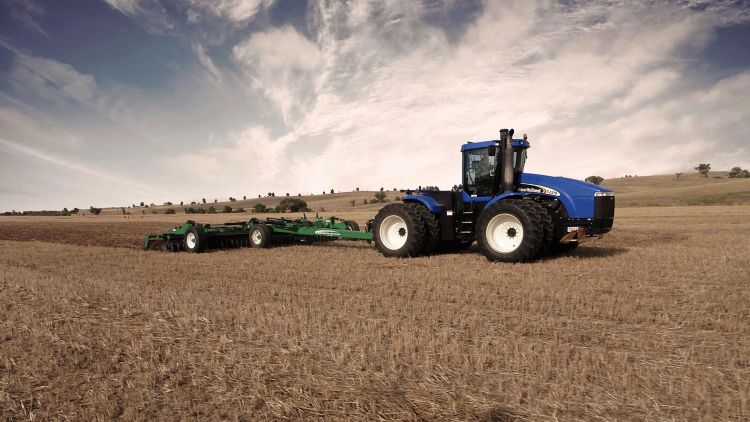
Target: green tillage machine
x,y
194,237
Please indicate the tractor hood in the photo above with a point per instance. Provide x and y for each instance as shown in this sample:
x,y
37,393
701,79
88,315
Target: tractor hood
x,y
576,195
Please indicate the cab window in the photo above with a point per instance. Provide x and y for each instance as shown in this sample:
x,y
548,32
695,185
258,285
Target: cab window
x,y
479,172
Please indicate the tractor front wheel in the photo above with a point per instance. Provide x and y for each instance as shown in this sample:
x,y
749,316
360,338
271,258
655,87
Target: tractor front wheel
x,y
399,231
510,231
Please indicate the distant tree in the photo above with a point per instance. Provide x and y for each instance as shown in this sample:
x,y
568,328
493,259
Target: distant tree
x,y
204,200
142,203
227,209
259,196
353,202
74,211
703,169
94,210
597,180
293,205
216,201
299,195
331,191
211,210
244,197
381,189
167,203
677,175
745,174
324,192
287,194
364,201
193,203
180,202
232,199
356,189
170,211
380,196
259,208
239,210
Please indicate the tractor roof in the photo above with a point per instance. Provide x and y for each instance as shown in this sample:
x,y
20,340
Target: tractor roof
x,y
518,143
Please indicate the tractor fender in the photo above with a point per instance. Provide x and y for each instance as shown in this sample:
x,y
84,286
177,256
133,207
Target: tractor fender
x,y
434,206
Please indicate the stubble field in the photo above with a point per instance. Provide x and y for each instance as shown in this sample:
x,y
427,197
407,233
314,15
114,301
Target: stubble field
x,y
650,323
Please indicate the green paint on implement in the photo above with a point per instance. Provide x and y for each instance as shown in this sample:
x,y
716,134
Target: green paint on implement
x,y
236,233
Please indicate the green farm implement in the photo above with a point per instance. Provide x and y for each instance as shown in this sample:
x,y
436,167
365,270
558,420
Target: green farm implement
x,y
195,237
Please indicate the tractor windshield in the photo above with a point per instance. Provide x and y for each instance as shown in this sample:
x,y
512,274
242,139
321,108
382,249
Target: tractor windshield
x,y
479,172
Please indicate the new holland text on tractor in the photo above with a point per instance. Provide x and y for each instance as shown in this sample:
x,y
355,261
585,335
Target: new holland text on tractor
x,y
513,216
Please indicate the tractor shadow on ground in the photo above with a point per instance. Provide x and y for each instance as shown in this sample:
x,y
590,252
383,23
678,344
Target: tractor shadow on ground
x,y
581,252
589,252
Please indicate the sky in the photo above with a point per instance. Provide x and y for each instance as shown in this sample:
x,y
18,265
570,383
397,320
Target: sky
x,y
114,102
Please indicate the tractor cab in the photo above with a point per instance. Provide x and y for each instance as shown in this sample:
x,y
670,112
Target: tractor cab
x,y
483,166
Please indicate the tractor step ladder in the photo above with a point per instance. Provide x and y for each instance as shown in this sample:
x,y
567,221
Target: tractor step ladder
x,y
466,225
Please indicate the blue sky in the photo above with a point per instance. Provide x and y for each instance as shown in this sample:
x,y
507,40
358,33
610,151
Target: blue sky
x,y
115,102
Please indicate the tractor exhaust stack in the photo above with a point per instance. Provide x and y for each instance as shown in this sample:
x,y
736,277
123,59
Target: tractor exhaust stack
x,y
506,143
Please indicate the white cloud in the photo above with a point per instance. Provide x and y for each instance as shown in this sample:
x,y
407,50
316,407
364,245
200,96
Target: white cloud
x,y
27,12
51,79
283,64
233,10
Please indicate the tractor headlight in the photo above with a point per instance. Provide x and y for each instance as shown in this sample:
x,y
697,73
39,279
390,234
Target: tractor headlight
x,y
604,194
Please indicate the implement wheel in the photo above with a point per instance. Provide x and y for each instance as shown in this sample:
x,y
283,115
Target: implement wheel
x,y
399,231
260,236
352,225
195,239
510,230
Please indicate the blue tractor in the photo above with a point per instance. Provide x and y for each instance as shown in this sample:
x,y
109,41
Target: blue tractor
x,y
513,216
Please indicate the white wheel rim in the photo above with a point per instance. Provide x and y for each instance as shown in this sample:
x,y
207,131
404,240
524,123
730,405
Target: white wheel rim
x,y
504,233
393,232
191,240
257,237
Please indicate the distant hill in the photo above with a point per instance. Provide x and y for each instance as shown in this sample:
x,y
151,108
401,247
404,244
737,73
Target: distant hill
x,y
663,190
326,203
688,189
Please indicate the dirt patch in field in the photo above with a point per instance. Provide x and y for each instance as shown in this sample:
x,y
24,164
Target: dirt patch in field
x,y
119,235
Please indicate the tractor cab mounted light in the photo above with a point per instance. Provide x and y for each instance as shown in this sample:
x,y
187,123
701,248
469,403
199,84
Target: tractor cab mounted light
x,y
604,194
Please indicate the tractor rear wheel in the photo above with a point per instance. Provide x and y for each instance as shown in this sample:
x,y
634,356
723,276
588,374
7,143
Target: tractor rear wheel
x,y
195,239
399,231
260,236
431,229
510,231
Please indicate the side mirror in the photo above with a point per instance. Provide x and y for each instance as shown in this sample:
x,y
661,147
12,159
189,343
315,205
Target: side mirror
x,y
492,150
